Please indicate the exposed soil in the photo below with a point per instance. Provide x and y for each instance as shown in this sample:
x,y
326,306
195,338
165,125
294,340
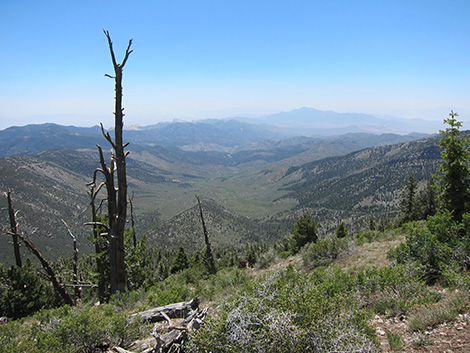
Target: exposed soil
x,y
453,336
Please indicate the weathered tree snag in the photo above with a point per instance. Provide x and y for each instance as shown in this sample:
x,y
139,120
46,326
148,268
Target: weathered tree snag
x,y
208,259
99,264
117,198
134,238
14,230
76,286
173,311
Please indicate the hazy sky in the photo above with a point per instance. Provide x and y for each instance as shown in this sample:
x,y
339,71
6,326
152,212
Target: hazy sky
x,y
203,59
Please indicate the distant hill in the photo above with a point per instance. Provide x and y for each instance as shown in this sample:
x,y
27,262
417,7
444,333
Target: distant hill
x,y
227,137
226,133
32,139
313,122
225,228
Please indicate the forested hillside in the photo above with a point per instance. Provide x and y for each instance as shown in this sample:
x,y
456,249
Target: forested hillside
x,y
263,185
253,182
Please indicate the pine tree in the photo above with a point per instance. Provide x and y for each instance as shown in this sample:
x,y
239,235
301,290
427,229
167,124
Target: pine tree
x,y
455,174
304,231
180,262
408,201
341,231
427,201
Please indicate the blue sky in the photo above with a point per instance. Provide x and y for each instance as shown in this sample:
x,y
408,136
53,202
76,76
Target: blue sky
x,y
213,59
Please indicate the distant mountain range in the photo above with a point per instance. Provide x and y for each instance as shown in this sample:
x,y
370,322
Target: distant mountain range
x,y
313,122
254,179
216,135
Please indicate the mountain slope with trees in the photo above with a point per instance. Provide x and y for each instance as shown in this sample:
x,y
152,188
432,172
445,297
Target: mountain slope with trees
x,y
260,184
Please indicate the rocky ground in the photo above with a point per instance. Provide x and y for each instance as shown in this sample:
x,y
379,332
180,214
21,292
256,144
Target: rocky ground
x,y
448,337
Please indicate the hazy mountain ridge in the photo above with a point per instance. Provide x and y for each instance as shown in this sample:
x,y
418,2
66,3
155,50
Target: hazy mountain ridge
x,y
211,134
314,122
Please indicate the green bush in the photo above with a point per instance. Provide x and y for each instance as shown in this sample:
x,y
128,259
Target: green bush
x,y
324,252
17,337
438,245
266,259
225,284
159,296
85,328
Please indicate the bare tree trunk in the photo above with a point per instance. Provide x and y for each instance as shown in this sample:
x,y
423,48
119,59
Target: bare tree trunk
x,y
76,286
99,263
134,237
14,230
209,259
117,204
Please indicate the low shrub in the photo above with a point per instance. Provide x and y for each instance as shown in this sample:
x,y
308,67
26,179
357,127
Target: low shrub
x,y
325,251
266,259
290,312
439,245
85,328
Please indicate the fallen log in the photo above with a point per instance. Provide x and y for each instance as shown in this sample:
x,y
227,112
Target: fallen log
x,y
120,350
173,311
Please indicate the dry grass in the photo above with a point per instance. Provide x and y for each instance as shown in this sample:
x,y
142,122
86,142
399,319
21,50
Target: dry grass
x,y
370,254
446,310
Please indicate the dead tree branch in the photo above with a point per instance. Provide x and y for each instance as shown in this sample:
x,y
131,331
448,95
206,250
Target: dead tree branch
x,y
77,287
14,230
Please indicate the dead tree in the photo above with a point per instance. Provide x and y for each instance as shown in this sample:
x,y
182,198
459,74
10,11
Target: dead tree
x,y
58,286
134,238
76,285
117,197
208,258
14,230
100,266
